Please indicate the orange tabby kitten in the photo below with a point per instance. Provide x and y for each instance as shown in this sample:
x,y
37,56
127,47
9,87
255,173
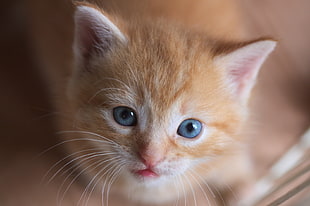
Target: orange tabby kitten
x,y
156,109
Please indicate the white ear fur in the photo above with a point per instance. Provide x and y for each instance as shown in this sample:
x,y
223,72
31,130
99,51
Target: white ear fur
x,y
94,33
243,64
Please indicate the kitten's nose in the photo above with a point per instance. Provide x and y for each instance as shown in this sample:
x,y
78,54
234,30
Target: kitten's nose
x,y
150,157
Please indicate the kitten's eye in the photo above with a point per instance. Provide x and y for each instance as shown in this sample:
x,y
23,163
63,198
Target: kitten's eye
x,y
190,128
124,116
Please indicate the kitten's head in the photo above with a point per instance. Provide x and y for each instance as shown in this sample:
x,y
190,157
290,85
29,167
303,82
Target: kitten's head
x,y
154,102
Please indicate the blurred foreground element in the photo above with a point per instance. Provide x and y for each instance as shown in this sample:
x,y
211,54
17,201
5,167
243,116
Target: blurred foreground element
x,y
288,180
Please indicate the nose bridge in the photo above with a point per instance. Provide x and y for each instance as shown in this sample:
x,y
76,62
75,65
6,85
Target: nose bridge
x,y
152,141
152,148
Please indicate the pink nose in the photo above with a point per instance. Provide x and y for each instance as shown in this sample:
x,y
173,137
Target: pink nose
x,y
150,159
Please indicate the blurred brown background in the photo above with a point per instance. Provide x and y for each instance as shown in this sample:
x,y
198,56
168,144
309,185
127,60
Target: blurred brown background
x,y
282,103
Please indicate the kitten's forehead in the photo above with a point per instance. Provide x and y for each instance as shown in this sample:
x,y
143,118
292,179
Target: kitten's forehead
x,y
160,65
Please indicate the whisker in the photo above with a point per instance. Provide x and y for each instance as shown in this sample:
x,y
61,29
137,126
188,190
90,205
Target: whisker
x,y
81,162
93,179
78,175
91,155
183,189
219,194
108,174
177,188
203,191
192,189
113,178
63,159
68,141
90,133
235,196
205,182
67,177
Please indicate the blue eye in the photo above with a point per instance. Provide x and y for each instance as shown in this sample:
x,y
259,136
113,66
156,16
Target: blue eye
x,y
190,128
124,116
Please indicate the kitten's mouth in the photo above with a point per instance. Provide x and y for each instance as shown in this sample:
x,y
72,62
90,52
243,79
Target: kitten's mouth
x,y
146,173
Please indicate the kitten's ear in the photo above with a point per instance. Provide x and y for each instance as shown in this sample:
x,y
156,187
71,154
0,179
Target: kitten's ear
x,y
242,66
94,34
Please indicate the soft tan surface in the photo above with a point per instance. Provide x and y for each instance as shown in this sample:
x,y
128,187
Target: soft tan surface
x,y
281,114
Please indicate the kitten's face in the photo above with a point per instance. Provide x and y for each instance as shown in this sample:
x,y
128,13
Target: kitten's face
x,y
154,103
148,109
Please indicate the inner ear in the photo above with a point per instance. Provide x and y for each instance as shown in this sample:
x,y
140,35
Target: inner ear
x,y
87,40
242,66
95,34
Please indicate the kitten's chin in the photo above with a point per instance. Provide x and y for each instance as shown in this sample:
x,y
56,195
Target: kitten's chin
x,y
146,187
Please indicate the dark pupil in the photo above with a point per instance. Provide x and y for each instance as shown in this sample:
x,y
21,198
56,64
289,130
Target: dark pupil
x,y
191,127
126,114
